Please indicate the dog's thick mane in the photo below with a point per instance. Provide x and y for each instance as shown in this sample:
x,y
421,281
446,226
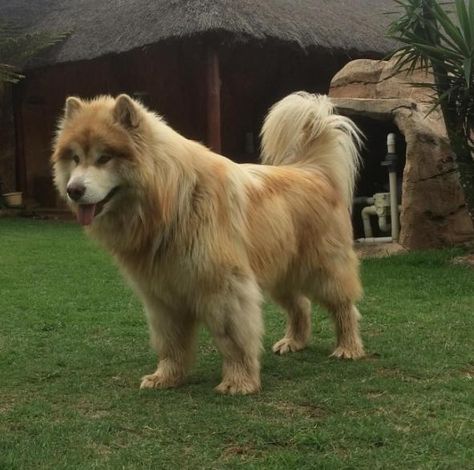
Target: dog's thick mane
x,y
185,185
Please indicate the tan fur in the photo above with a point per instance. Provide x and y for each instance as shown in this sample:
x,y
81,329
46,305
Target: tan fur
x,y
199,237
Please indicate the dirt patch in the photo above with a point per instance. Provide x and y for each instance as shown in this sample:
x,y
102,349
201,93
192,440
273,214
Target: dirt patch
x,y
302,409
373,395
398,374
239,450
7,405
468,372
101,449
89,410
466,260
378,250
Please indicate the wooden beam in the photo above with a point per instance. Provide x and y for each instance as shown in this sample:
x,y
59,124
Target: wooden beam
x,y
213,101
20,163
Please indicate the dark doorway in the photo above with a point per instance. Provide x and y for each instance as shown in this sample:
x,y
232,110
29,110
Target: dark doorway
x,y
373,176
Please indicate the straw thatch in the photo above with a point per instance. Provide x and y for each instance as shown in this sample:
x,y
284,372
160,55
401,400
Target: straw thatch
x,y
102,27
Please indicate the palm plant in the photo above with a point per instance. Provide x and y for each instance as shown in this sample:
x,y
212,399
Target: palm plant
x,y
17,46
432,37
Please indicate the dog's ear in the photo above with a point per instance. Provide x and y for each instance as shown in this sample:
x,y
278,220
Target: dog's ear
x,y
126,112
73,105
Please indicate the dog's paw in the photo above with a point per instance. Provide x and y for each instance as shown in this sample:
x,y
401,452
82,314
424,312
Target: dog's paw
x,y
158,380
229,387
341,352
286,345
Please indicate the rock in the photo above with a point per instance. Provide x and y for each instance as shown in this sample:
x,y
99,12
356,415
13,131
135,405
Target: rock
x,y
357,79
433,206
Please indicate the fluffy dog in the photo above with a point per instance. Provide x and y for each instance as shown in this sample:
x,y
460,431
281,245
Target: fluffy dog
x,y
200,237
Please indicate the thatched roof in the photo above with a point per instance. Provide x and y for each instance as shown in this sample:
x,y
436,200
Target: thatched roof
x,y
102,27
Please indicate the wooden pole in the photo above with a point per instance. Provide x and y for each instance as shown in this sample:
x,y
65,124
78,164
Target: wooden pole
x,y
20,163
213,101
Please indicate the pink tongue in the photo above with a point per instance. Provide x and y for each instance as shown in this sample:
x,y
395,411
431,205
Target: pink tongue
x,y
85,213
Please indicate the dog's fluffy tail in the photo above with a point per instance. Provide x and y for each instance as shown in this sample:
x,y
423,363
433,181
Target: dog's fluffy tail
x,y
303,130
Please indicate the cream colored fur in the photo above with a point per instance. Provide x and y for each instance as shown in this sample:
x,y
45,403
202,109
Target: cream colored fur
x,y
200,237
293,126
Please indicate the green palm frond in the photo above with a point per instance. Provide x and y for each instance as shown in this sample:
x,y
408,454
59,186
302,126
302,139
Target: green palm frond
x,y
440,36
17,46
9,74
432,36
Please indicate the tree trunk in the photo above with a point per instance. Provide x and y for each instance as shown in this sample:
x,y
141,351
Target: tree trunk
x,y
466,174
459,144
465,162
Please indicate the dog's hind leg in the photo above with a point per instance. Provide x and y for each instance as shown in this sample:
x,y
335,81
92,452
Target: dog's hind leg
x,y
298,328
235,321
338,289
349,344
173,336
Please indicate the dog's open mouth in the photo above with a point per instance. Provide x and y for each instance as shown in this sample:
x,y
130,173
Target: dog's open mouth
x,y
87,212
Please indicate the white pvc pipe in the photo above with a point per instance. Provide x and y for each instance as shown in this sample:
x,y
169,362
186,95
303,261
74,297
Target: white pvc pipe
x,y
364,200
391,139
394,224
392,178
383,224
374,240
394,205
366,213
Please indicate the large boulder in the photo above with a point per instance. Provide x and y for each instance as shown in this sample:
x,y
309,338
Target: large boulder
x,y
433,207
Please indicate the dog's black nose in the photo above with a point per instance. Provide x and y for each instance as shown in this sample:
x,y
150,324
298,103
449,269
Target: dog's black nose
x,y
75,191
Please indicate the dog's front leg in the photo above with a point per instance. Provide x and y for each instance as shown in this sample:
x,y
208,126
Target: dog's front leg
x,y
235,322
173,337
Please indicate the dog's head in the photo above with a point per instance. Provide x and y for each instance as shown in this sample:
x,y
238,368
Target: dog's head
x,y
95,153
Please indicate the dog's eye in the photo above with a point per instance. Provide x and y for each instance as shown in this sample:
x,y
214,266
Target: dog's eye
x,y
103,159
76,159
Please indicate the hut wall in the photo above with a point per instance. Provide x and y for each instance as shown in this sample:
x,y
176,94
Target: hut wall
x,y
170,79
159,76
254,78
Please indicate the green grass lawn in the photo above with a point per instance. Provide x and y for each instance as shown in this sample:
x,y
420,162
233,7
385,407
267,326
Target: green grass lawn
x,y
74,344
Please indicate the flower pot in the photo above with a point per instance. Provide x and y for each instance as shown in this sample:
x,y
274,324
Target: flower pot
x,y
13,199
